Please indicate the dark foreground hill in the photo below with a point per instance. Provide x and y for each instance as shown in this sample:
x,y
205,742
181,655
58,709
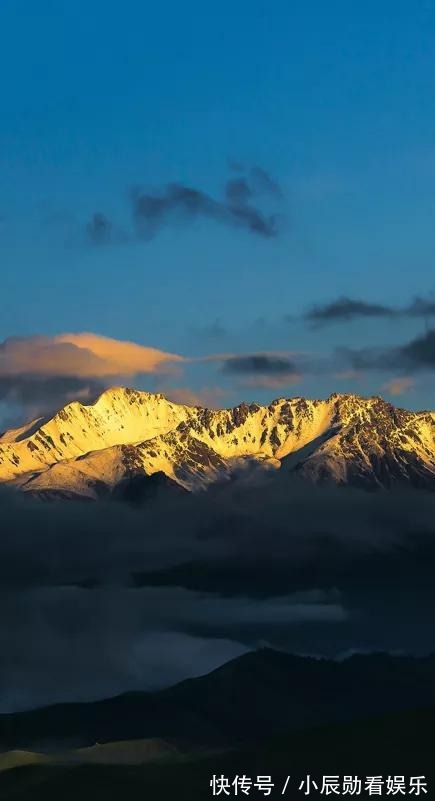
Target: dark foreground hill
x,y
260,694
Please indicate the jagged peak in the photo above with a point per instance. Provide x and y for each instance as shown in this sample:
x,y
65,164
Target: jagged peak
x,y
135,429
116,392
355,396
119,391
117,397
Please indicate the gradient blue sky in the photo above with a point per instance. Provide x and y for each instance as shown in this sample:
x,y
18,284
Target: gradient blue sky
x,y
335,100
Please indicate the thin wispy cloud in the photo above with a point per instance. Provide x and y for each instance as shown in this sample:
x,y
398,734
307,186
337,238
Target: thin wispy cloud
x,y
241,206
101,231
264,182
345,310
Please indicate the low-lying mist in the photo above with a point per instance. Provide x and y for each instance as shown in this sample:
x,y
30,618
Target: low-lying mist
x,y
101,598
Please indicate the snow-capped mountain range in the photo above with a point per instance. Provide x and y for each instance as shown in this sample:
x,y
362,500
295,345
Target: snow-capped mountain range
x,y
88,450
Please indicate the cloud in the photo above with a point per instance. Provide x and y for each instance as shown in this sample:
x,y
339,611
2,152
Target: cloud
x,y
265,182
262,370
178,203
117,357
43,373
238,191
41,395
101,231
419,354
259,364
398,386
259,177
82,355
346,309
106,640
181,204
109,598
96,644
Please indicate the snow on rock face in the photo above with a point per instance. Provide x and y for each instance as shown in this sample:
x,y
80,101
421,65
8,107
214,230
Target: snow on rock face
x,y
375,446
85,451
118,416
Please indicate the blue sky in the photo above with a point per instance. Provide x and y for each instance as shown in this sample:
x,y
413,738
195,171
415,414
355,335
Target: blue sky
x,y
335,100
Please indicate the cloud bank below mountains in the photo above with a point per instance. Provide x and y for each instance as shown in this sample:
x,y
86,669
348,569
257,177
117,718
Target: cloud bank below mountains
x,y
110,599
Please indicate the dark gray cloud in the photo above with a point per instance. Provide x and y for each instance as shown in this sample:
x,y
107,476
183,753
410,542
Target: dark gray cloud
x,y
81,644
184,204
259,364
238,191
265,182
105,640
180,204
346,309
101,598
99,229
419,354
32,396
259,178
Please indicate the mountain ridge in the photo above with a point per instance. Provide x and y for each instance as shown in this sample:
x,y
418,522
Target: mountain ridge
x,y
86,450
260,693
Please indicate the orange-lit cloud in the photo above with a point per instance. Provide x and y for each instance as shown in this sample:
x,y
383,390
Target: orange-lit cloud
x,y
398,386
84,355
